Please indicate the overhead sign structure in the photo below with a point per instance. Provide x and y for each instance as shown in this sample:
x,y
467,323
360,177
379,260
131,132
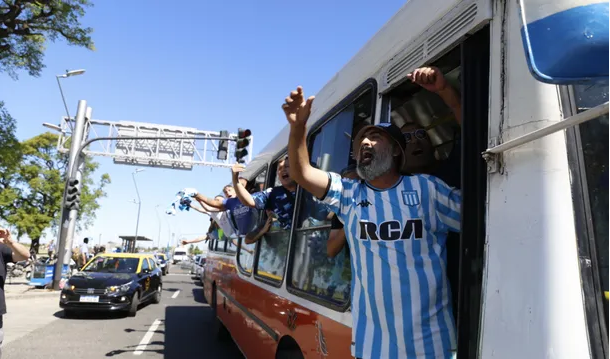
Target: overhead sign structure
x,y
207,150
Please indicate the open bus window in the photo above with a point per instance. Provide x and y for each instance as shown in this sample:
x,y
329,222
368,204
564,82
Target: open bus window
x,y
433,146
245,259
594,140
273,247
312,271
232,245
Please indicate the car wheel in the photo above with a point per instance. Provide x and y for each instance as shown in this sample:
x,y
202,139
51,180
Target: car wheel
x,y
164,271
157,296
135,301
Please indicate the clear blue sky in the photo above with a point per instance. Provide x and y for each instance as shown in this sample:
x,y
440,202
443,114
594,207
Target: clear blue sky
x,y
203,64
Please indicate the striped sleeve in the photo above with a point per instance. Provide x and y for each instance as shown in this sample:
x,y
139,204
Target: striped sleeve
x,y
448,205
260,198
332,199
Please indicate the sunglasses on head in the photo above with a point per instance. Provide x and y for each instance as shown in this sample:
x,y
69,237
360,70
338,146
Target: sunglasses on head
x,y
420,134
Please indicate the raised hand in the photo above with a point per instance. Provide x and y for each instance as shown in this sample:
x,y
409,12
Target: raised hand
x,y
430,78
237,169
5,235
296,108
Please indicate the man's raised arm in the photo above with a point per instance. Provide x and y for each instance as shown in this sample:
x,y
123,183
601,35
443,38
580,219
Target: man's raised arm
x,y
215,203
242,193
297,111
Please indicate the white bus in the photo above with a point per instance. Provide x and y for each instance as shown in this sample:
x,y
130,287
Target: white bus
x,y
530,268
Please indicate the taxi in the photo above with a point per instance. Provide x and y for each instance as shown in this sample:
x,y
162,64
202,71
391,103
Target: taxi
x,y
113,282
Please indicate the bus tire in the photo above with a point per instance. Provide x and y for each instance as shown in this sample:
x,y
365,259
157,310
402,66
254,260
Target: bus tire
x,y
220,331
289,354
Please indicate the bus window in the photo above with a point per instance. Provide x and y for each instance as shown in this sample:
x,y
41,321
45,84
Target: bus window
x,y
594,142
245,258
273,247
433,141
231,245
313,273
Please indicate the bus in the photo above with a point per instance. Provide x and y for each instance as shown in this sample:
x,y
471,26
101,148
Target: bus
x,y
529,271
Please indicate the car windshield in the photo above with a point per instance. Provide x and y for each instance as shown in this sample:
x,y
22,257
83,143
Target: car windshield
x,y
160,256
180,253
112,265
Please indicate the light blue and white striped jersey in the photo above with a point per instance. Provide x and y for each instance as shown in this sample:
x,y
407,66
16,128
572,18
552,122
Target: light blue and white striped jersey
x,y
401,300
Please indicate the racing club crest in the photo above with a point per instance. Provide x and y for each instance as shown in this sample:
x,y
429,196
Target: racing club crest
x,y
410,198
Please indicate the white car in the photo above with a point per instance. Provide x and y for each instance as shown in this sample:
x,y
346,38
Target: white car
x,y
193,269
200,269
180,254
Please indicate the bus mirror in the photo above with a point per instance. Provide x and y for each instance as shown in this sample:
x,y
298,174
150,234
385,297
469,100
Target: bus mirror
x,y
565,41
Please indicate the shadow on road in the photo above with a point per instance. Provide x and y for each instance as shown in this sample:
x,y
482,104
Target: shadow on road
x,y
198,295
188,330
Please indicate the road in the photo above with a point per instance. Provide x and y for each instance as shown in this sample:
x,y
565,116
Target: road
x,y
178,327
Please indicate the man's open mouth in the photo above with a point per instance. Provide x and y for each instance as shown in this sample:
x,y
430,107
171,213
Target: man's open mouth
x,y
366,156
285,176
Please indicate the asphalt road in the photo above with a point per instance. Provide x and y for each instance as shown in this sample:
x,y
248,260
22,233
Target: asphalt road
x,y
179,327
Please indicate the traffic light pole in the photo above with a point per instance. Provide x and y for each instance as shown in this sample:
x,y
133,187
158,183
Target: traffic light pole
x,y
67,224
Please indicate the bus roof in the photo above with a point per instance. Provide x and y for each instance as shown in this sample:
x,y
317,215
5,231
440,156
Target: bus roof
x,y
411,20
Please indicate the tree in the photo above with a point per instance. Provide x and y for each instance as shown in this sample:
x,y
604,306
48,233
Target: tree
x,y
39,182
10,156
26,25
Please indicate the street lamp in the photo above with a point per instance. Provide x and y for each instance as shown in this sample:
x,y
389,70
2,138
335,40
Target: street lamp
x,y
63,76
52,126
133,175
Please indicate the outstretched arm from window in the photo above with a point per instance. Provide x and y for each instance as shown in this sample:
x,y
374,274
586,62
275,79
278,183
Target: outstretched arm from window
x,y
242,193
196,240
297,111
214,203
256,234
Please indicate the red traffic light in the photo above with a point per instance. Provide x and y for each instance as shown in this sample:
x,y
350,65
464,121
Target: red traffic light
x,y
241,133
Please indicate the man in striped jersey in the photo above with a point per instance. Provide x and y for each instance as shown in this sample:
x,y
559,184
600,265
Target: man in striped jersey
x,y
396,227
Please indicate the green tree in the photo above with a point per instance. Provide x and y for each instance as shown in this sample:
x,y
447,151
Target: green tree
x,y
26,25
197,251
39,181
191,249
10,156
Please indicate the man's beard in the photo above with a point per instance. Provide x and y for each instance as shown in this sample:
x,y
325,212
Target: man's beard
x,y
380,164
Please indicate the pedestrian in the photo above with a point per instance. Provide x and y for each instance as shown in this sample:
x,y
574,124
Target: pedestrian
x,y
10,252
84,252
396,227
51,249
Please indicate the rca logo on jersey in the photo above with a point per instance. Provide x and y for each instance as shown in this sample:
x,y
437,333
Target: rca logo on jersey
x,y
391,230
410,198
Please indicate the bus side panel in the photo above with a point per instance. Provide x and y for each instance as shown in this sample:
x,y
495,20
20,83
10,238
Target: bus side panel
x,y
532,296
316,335
258,318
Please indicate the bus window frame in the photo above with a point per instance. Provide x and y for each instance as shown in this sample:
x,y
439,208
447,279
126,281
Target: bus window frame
x,y
368,85
241,238
587,250
270,182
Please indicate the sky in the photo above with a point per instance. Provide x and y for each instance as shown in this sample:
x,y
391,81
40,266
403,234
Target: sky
x,y
203,64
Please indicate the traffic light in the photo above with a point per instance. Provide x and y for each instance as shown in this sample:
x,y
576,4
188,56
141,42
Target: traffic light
x,y
243,141
72,195
223,146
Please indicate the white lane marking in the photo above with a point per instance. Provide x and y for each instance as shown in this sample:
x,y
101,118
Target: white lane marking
x,y
147,337
175,294
179,274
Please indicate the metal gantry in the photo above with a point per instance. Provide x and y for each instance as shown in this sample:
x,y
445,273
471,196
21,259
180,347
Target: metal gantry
x,y
162,152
